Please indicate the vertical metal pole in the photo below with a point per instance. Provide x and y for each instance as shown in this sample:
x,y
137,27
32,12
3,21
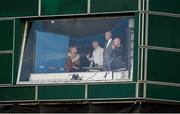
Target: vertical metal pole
x,y
39,7
88,6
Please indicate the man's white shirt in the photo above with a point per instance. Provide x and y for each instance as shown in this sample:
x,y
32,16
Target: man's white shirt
x,y
97,56
109,41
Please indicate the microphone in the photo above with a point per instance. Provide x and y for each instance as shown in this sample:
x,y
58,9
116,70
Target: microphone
x,y
105,75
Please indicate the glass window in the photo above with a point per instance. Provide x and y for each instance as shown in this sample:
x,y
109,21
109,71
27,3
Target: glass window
x,y
78,50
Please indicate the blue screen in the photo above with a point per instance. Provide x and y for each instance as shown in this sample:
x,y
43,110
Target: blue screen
x,y
50,58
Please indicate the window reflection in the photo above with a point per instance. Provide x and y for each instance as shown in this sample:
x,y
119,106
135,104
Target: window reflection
x,y
78,50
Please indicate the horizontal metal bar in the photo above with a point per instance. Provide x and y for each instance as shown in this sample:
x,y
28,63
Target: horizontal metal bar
x,y
77,83
163,83
160,48
61,15
164,101
7,52
14,86
100,99
162,13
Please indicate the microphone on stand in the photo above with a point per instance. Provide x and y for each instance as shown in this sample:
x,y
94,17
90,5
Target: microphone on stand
x,y
105,75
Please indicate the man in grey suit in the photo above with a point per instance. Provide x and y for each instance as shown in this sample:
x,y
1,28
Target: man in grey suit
x,y
107,51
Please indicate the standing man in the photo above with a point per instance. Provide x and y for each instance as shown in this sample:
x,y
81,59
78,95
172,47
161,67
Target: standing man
x,y
117,55
97,56
107,51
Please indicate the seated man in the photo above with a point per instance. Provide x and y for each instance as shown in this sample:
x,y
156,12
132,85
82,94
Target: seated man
x,y
97,56
117,55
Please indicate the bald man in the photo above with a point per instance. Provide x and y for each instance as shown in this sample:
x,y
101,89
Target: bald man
x,y
117,55
107,59
97,56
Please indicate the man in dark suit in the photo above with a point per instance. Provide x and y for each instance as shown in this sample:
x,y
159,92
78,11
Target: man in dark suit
x,y
117,55
107,59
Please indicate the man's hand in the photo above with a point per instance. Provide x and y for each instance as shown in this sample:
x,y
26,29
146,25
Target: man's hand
x,y
113,47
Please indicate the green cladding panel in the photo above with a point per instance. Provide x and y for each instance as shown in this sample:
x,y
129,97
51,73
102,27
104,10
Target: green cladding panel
x,y
135,61
6,35
111,91
61,92
141,90
164,31
57,7
163,92
163,66
6,68
113,5
17,93
17,8
170,6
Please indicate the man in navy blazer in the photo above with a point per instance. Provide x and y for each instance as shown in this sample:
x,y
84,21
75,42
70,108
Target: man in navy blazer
x,y
107,59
